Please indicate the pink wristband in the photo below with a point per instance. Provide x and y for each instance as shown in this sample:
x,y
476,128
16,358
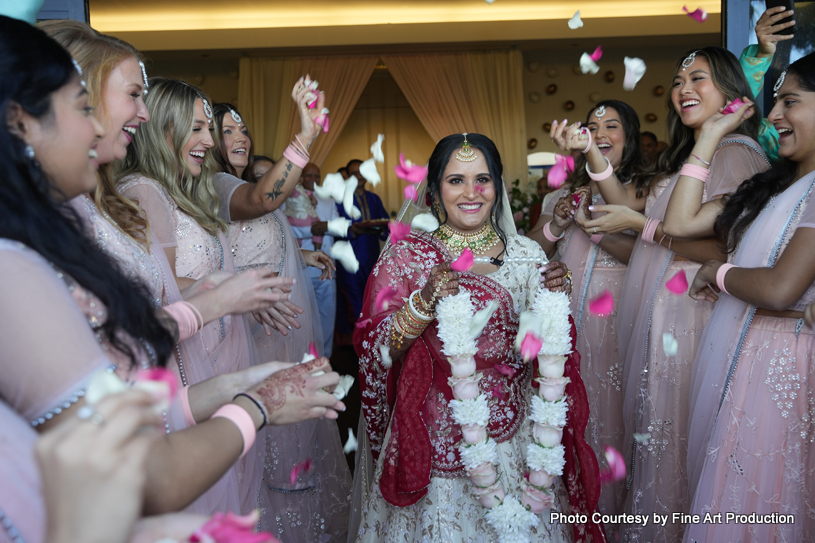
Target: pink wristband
x,y
650,230
292,156
187,317
241,419
723,269
588,145
596,238
547,233
184,398
697,172
602,176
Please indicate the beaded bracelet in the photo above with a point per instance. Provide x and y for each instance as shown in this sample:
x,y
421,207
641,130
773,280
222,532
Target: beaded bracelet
x,y
602,176
547,233
696,172
243,420
720,273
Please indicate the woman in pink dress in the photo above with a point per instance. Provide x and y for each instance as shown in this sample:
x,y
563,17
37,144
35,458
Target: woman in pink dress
x,y
316,504
598,264
659,328
752,426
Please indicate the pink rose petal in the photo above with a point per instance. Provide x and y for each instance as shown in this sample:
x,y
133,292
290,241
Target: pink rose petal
x,y
734,105
464,262
530,346
412,173
231,528
700,15
678,284
498,391
384,297
603,305
301,467
598,53
312,350
399,231
161,375
362,324
411,193
503,369
616,463
564,165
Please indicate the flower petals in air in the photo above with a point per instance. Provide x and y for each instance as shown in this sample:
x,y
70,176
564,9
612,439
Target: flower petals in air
x,y
530,346
481,318
616,463
634,70
564,165
312,349
503,369
338,226
603,305
344,253
733,107
368,170
411,193
350,445
333,187
700,15
588,65
348,198
597,54
384,297
669,344
412,173
464,262
399,231
425,222
678,284
231,528
575,22
301,467
159,375
384,353
342,388
376,149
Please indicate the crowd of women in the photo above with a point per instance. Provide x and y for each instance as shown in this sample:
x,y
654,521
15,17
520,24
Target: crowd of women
x,y
135,233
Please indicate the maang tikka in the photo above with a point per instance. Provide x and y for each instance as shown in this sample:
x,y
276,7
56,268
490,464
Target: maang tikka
x,y
688,61
144,77
235,116
466,153
779,83
601,111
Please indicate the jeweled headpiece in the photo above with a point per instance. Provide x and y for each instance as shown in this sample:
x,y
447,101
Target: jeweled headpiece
x,y
235,116
144,77
688,61
207,108
466,153
78,69
779,83
600,112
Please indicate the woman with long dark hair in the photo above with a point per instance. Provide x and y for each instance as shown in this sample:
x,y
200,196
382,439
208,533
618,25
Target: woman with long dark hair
x,y
751,429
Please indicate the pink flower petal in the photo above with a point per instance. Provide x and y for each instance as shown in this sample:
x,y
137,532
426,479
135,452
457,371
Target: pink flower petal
x,y
313,103
384,297
734,105
616,463
231,528
678,284
564,165
498,391
301,467
603,305
700,15
464,262
411,193
413,173
598,53
503,369
530,346
362,323
576,197
161,375
399,231
312,350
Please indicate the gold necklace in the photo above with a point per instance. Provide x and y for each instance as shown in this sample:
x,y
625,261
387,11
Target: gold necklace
x,y
478,242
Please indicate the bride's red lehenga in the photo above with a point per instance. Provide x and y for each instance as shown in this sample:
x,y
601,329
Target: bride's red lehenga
x,y
412,481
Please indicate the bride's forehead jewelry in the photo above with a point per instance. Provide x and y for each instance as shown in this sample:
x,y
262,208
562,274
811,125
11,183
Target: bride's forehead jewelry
x,y
466,153
779,83
600,112
688,61
78,69
235,116
144,77
207,108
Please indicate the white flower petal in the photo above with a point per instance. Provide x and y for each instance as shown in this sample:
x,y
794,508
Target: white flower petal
x,y
103,383
481,318
344,253
350,445
425,221
368,170
333,187
307,357
575,22
338,227
669,344
376,150
549,413
634,70
385,353
588,65
348,198
476,454
345,384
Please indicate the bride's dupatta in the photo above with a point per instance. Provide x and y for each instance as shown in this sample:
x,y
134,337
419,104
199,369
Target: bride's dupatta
x,y
408,401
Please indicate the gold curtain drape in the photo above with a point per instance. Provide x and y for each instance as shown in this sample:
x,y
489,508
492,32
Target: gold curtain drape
x,y
469,92
264,91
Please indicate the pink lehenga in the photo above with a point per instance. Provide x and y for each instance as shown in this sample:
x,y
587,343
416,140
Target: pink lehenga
x,y
222,346
314,508
593,272
656,385
752,429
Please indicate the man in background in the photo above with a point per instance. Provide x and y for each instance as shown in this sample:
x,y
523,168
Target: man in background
x,y
649,143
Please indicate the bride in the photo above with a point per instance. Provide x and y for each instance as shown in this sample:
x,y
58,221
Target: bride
x,y
411,483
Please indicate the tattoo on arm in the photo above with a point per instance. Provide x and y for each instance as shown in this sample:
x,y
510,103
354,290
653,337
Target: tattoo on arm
x,y
277,189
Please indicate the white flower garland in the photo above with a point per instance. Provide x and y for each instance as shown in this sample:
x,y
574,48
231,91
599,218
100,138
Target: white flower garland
x,y
459,326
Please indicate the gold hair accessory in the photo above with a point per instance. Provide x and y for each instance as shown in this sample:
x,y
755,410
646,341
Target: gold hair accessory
x,y
600,112
466,153
688,61
779,83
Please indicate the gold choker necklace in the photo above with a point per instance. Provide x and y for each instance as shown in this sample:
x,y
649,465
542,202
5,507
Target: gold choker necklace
x,y
478,242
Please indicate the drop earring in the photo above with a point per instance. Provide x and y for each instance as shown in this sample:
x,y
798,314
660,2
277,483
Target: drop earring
x,y
29,152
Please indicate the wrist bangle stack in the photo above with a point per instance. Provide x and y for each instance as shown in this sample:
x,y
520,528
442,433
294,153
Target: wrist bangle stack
x,y
696,172
547,233
602,176
258,404
650,230
296,153
240,418
425,314
722,271
187,317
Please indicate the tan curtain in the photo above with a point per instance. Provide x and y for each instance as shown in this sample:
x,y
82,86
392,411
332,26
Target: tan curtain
x,y
469,92
265,87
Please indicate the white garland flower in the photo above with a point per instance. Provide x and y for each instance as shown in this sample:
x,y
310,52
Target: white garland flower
x,y
549,459
475,411
476,454
455,314
549,413
552,312
512,521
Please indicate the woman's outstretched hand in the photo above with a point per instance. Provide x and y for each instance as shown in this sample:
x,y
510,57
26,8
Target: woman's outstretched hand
x,y
309,130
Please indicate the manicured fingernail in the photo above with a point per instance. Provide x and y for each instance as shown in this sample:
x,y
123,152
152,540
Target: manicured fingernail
x,y
289,327
591,208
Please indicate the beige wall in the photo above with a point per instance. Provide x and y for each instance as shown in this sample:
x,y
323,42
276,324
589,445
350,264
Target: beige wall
x,y
216,77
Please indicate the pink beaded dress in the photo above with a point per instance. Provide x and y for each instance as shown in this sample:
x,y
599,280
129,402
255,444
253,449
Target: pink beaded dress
x,y
656,384
593,272
314,507
752,429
